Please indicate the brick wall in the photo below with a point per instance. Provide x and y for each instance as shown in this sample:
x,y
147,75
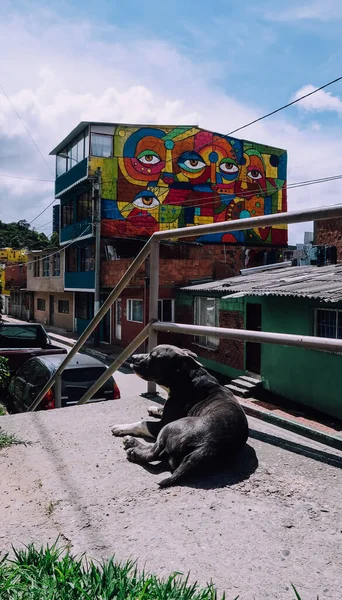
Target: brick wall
x,y
330,233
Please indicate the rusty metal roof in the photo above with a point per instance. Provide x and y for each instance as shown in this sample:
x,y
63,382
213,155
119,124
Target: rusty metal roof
x,y
323,283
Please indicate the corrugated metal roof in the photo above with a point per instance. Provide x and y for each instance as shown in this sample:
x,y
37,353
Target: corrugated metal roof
x,y
324,283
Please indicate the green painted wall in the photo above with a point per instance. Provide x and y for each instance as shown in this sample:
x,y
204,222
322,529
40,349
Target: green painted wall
x,y
310,377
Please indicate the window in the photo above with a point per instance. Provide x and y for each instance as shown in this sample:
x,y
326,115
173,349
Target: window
x,y
61,165
101,145
87,258
166,312
328,323
46,266
63,306
36,267
72,154
84,308
71,260
84,206
40,304
206,313
56,271
135,310
67,213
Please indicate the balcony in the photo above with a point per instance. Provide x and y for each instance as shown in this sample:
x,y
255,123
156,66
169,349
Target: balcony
x,y
75,230
70,178
79,280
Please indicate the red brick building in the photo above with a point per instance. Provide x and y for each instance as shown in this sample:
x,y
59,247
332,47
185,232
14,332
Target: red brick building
x,y
329,233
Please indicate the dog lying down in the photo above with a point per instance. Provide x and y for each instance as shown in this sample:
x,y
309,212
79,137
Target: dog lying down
x,y
202,424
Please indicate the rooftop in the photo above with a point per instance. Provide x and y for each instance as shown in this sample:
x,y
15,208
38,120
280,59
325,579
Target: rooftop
x,y
324,283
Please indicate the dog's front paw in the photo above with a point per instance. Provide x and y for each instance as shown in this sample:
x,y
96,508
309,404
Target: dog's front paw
x,y
155,411
129,442
118,430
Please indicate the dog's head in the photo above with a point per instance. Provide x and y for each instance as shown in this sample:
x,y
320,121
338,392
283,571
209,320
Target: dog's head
x,y
163,363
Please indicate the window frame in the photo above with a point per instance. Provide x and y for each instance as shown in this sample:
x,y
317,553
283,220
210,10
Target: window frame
x,y
84,206
129,310
210,342
36,267
160,304
108,135
46,266
56,265
43,301
338,314
60,305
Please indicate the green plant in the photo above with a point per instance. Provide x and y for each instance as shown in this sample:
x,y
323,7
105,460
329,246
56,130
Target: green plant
x,y
4,373
9,439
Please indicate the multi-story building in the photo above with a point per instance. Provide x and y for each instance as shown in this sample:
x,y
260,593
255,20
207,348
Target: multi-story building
x,y
50,304
8,256
151,178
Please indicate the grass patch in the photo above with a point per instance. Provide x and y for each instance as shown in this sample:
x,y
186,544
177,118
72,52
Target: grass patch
x,y
53,573
9,439
3,410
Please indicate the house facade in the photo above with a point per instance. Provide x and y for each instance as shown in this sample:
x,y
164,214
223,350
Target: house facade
x,y
50,304
153,178
284,299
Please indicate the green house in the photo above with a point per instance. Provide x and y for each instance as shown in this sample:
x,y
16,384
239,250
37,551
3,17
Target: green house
x,y
278,298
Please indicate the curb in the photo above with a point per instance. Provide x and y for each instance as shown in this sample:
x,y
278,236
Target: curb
x,y
293,426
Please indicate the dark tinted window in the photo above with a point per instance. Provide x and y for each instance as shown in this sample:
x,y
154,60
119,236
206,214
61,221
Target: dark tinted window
x,y
82,375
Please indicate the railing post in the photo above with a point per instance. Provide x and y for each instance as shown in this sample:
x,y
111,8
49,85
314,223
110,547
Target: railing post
x,y
58,392
153,303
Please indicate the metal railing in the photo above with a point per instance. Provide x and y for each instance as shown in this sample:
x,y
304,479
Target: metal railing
x,y
151,330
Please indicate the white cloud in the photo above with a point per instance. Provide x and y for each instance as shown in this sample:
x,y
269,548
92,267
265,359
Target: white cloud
x,y
60,73
318,102
315,10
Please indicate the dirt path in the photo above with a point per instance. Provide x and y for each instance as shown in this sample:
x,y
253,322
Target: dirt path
x,y
250,535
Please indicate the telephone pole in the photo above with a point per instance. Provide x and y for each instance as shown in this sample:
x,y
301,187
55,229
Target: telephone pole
x,y
97,223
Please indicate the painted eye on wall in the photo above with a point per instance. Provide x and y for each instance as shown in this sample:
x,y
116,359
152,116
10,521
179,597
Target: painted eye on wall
x,y
149,157
146,201
254,174
191,162
229,167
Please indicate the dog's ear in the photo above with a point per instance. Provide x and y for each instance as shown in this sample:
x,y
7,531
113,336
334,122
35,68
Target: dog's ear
x,y
188,362
189,352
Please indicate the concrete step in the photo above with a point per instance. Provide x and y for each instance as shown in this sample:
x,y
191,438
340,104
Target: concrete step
x,y
253,380
243,383
238,391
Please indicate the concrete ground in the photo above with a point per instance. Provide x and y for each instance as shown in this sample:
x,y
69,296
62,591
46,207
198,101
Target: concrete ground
x,y
273,519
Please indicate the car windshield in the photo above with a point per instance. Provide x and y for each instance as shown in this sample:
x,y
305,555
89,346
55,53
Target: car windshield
x,y
82,375
17,336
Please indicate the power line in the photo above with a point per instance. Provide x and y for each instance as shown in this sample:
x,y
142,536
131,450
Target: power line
x,y
27,131
25,178
43,211
285,106
60,249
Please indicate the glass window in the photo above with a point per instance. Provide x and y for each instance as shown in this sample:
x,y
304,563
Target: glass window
x,y
84,206
56,265
71,260
67,213
86,144
206,313
166,310
101,145
40,304
63,306
80,148
61,165
135,310
46,266
329,323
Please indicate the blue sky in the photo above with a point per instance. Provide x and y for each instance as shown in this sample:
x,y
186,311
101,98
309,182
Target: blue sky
x,y
219,64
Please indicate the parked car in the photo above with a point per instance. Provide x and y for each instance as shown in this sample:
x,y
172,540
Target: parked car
x,y
21,341
79,375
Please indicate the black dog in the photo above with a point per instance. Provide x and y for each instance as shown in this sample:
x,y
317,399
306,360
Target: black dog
x,y
202,424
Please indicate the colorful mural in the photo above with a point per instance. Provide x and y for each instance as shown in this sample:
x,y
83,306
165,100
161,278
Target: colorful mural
x,y
163,178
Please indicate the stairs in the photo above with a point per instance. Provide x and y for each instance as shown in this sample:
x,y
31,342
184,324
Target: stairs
x,y
244,386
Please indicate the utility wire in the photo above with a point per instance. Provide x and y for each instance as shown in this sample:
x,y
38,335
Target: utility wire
x,y
25,178
285,106
60,249
43,211
27,131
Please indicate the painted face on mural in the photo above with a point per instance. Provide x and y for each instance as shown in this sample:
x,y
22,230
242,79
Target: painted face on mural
x,y
185,176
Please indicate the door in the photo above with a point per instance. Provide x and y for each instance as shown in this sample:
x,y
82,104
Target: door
x,y
105,336
118,319
253,350
52,310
